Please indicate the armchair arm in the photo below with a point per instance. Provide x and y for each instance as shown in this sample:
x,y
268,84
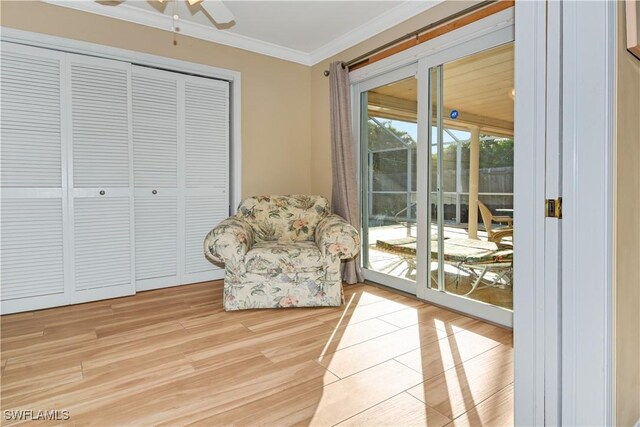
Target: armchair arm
x,y
229,241
335,237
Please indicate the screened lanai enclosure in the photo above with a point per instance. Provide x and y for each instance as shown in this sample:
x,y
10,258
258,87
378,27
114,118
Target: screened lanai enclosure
x,y
469,170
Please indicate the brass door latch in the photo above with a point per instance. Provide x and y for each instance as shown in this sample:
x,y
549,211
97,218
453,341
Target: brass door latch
x,y
553,208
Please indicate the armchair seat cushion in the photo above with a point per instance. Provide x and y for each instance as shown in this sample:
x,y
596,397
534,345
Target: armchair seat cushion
x,y
283,257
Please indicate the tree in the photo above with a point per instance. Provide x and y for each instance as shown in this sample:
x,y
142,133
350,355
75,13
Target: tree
x,y
494,153
382,137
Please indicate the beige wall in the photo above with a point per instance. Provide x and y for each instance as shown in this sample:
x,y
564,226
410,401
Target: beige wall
x,y
275,93
320,122
627,235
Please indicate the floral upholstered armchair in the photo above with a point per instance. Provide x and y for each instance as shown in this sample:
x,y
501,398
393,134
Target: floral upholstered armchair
x,y
282,251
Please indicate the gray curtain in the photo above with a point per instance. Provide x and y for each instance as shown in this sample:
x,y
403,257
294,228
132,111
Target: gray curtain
x,y
344,193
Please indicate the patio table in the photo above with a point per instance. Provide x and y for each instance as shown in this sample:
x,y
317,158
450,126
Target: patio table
x,y
466,254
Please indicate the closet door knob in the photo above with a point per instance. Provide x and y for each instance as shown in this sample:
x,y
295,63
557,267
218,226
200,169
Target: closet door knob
x,y
102,193
154,192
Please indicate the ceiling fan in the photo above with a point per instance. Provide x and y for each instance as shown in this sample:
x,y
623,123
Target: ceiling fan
x,y
215,8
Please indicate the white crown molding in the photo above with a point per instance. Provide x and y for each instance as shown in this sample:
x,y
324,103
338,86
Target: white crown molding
x,y
380,23
158,20
153,19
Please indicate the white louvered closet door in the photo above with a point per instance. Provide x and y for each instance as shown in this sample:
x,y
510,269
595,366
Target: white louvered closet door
x,y
206,170
155,170
33,209
101,178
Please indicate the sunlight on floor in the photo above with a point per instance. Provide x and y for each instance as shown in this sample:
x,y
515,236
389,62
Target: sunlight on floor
x,y
346,309
447,363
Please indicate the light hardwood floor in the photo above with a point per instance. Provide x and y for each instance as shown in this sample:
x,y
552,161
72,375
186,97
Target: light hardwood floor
x,y
174,357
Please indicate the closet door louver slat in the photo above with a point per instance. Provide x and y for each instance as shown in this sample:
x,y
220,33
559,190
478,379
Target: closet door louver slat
x,y
31,118
155,128
100,125
156,241
32,256
207,134
102,242
201,212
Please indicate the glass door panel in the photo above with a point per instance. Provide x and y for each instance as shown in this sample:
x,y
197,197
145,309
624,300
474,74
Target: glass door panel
x,y
471,177
388,133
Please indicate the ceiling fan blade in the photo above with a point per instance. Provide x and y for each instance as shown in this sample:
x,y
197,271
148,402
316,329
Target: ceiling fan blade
x,y
218,11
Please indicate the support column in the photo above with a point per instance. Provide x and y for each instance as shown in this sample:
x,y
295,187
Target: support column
x,y
474,177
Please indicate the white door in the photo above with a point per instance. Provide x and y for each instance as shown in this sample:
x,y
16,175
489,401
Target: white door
x,y
155,169
100,178
33,212
205,154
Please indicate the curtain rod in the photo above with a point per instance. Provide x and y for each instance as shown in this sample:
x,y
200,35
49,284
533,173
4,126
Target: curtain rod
x,y
416,33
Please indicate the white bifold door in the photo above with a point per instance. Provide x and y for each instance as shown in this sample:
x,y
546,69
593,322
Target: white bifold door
x,y
155,171
100,183
33,161
205,194
112,174
181,174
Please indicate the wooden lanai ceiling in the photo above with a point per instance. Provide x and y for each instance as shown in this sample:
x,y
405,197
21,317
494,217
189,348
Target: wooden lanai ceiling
x,y
479,87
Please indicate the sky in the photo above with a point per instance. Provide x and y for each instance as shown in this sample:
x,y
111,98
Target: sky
x,y
412,129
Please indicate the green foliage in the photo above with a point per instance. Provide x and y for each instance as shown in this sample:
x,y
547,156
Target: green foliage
x,y
380,139
494,153
390,168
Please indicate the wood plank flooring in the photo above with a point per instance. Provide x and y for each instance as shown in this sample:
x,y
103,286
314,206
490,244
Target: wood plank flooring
x,y
174,357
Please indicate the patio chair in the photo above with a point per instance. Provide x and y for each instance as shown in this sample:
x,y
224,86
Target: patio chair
x,y
488,219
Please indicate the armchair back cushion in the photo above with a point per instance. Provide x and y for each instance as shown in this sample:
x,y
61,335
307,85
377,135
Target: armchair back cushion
x,y
284,218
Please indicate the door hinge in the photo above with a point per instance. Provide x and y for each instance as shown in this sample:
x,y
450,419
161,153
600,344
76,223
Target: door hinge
x,y
553,208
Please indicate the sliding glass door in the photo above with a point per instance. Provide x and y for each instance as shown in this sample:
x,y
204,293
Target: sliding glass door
x,y
470,178
388,136
436,156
